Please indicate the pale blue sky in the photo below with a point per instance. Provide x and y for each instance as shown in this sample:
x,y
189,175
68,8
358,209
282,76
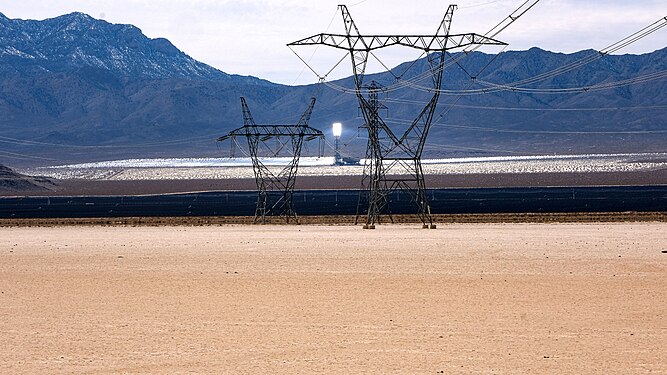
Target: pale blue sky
x,y
248,36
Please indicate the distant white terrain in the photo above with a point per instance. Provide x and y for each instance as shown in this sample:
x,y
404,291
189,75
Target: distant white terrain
x,y
198,162
225,168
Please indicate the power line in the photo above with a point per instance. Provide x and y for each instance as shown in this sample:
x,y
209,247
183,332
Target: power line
x,y
524,109
443,146
520,131
18,156
26,142
567,132
518,86
597,87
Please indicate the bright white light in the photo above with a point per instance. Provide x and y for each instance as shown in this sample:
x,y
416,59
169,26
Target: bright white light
x,y
337,129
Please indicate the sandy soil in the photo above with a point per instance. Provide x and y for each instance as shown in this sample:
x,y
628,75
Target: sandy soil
x,y
463,299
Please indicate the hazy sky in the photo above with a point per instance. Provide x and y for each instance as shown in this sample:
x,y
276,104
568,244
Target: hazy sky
x,y
248,36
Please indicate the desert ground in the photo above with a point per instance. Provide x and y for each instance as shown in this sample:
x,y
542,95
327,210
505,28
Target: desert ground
x,y
93,187
462,299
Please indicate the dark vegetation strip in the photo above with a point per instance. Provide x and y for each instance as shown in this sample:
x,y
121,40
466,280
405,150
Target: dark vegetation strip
x,y
580,217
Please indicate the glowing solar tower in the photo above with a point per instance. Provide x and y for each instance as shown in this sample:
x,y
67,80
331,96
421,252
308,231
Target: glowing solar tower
x,y
337,129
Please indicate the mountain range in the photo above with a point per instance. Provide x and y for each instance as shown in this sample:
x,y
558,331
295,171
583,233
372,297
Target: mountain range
x,y
75,88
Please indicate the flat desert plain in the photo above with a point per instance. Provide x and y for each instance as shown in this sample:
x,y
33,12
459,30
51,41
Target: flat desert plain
x,y
462,299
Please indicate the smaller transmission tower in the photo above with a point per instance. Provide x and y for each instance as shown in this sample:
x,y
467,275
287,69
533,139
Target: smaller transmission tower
x,y
374,186
275,186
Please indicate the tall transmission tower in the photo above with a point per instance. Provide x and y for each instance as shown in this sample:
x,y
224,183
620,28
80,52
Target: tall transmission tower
x,y
393,162
275,186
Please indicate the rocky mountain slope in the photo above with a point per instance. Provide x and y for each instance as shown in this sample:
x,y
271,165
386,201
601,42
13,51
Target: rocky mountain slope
x,y
11,181
75,88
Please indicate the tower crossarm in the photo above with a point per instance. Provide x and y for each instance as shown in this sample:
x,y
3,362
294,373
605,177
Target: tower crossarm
x,y
367,43
265,132
274,131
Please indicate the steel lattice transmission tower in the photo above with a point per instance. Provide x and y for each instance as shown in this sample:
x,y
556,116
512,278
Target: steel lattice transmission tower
x,y
275,190
394,161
